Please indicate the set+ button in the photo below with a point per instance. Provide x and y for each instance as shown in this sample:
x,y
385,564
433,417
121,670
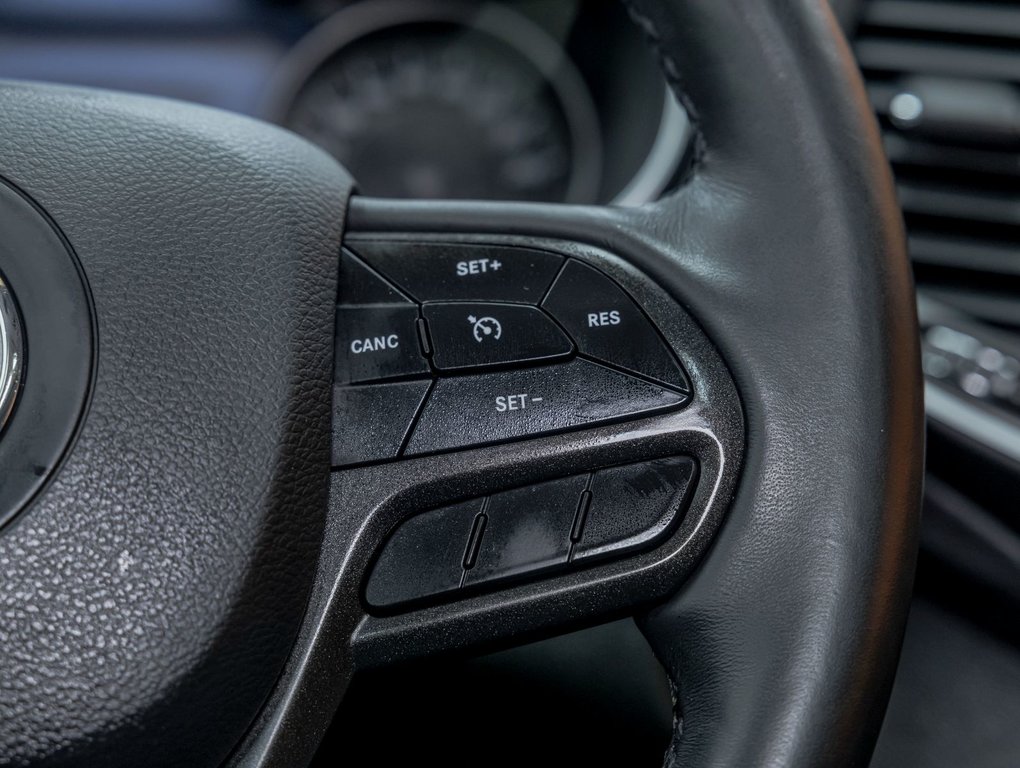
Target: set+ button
x,y
463,272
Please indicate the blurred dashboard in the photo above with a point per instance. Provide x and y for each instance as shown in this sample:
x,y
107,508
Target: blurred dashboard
x,y
525,100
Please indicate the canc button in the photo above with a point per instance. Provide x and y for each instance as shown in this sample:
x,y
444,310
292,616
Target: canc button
x,y
377,342
469,335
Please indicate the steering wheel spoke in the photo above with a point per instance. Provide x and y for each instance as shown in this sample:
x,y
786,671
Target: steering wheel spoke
x,y
705,412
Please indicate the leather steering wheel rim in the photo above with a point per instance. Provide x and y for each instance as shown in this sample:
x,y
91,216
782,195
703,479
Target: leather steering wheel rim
x,y
159,599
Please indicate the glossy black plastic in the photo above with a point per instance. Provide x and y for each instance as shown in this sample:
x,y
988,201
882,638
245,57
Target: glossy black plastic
x,y
59,332
474,334
608,325
499,407
462,271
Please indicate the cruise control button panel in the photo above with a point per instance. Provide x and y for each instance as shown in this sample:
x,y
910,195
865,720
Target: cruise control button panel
x,y
527,532
495,343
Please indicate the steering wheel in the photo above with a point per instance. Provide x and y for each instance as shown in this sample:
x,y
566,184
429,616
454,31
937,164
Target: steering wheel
x,y
217,508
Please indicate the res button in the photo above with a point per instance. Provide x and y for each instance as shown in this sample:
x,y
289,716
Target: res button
x,y
608,326
461,272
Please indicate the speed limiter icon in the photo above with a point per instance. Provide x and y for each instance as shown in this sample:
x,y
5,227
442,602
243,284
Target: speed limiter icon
x,y
485,328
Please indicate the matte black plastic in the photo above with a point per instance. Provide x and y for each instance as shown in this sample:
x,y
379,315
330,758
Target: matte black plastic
x,y
424,557
59,332
633,505
468,335
360,284
608,325
378,341
494,407
462,272
371,421
527,529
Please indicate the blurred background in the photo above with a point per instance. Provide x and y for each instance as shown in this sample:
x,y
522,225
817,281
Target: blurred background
x,y
561,100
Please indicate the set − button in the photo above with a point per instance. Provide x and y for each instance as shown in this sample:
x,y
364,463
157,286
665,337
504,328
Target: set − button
x,y
496,407
607,325
465,335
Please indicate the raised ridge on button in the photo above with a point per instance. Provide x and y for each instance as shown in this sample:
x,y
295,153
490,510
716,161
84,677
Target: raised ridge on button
x,y
527,529
496,407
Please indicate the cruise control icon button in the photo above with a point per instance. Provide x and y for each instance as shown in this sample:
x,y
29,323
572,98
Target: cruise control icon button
x,y
466,335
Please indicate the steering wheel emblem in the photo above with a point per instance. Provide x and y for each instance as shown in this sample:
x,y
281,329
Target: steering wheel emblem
x,y
11,353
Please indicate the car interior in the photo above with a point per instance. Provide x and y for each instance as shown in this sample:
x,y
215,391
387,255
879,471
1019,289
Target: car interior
x,y
510,382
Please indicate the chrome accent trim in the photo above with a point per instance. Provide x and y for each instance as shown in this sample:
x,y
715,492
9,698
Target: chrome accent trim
x,y
664,156
972,421
12,353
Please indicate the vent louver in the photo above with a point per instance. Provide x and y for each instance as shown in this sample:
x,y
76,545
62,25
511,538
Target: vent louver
x,y
944,78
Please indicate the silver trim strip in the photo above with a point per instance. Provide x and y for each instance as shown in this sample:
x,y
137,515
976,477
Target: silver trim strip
x,y
12,353
973,422
663,158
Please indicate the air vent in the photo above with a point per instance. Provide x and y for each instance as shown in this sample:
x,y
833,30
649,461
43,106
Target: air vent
x,y
944,78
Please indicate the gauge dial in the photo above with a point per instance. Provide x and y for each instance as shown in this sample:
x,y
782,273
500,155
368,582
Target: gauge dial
x,y
449,108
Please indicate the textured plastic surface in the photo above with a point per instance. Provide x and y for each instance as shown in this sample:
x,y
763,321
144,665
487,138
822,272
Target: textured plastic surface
x,y
370,423
151,594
